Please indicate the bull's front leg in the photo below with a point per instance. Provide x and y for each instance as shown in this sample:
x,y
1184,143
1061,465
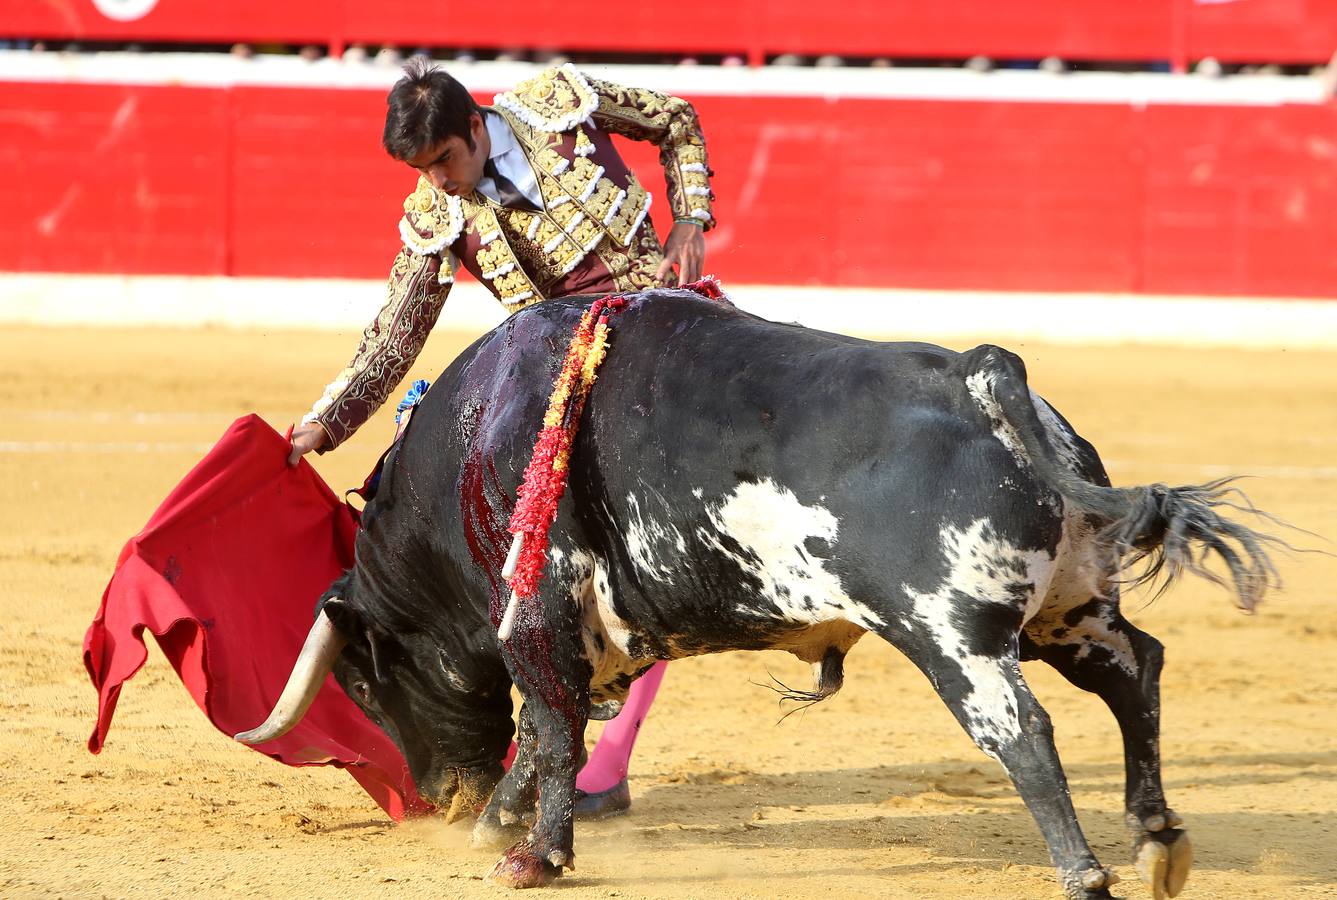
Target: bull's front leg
x,y
511,809
550,671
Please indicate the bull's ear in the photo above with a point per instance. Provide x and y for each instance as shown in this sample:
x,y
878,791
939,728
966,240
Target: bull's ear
x,y
344,617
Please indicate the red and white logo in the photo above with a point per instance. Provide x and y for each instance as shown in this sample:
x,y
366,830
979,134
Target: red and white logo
x,y
125,10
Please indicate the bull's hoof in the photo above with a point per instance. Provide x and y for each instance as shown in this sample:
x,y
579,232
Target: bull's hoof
x,y
520,867
1091,884
603,804
1162,853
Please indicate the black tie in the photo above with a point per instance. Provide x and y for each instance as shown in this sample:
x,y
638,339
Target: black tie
x,y
510,194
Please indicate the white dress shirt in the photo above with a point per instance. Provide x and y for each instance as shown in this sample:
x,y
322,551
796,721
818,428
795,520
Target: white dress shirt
x,y
510,161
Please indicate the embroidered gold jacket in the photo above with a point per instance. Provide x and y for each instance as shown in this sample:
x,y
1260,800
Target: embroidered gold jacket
x,y
592,236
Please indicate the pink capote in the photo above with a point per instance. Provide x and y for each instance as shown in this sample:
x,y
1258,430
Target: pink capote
x,y
226,574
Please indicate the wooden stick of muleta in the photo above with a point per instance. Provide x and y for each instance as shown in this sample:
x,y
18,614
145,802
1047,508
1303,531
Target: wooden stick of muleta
x,y
507,573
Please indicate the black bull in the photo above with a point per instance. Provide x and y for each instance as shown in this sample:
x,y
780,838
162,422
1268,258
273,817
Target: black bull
x,y
742,484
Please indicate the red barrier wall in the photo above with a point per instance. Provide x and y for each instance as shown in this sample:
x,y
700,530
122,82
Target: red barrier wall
x,y
937,194
1243,31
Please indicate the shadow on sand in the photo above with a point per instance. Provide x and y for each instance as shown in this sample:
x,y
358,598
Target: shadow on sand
x,y
960,813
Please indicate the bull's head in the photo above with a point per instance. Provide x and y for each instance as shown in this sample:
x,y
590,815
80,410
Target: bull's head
x,y
452,724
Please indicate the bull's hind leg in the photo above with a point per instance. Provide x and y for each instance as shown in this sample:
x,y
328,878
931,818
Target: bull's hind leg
x,y
1095,648
978,676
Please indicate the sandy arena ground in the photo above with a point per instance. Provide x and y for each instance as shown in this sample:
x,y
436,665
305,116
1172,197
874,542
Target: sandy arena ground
x,y
876,792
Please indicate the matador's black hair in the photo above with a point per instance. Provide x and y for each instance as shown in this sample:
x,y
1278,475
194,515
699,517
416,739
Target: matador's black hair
x,y
424,108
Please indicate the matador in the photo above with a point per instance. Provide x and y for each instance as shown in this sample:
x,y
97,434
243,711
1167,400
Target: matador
x,y
531,197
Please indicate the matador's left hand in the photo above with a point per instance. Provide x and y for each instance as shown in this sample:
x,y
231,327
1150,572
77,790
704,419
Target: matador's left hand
x,y
685,249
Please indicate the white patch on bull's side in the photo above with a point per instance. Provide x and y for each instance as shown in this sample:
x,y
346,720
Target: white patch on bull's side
x,y
770,526
1082,572
604,635
980,386
986,569
698,493
1094,631
648,541
992,570
1060,438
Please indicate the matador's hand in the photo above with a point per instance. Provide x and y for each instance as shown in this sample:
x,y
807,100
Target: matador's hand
x,y
685,249
304,440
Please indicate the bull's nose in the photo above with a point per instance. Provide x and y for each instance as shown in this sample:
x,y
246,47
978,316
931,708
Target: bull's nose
x,y
461,808
439,790
474,789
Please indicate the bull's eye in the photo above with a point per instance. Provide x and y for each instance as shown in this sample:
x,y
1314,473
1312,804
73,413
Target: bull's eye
x,y
452,677
363,691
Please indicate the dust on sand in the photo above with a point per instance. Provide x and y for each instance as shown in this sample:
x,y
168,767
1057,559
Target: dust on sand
x,y
875,792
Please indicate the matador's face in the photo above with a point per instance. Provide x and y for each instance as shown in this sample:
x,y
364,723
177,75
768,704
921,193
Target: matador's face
x,y
455,166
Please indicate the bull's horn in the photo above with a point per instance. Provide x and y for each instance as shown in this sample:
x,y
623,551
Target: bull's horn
x,y
322,647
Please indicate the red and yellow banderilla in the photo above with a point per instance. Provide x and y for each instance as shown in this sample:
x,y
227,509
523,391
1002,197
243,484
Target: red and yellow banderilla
x,y
545,476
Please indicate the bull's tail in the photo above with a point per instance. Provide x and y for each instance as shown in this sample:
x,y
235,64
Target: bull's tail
x,y
1170,529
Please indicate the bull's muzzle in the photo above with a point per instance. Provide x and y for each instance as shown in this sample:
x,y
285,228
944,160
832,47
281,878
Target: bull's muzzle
x,y
466,791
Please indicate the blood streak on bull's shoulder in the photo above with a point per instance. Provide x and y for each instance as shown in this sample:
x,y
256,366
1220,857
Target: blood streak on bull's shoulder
x,y
483,506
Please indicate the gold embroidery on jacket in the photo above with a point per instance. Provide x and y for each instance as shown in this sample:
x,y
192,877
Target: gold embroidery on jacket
x,y
432,221
672,124
581,202
497,263
634,268
556,99
584,210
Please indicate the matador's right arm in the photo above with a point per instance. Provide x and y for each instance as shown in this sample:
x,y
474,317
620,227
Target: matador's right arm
x,y
390,344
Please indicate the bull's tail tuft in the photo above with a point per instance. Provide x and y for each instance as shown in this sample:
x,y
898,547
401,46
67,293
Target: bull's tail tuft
x,y
1170,529
1177,529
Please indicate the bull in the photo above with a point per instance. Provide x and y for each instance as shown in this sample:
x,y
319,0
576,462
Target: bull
x,y
742,484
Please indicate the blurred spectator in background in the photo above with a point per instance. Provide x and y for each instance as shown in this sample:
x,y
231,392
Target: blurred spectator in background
x,y
550,57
